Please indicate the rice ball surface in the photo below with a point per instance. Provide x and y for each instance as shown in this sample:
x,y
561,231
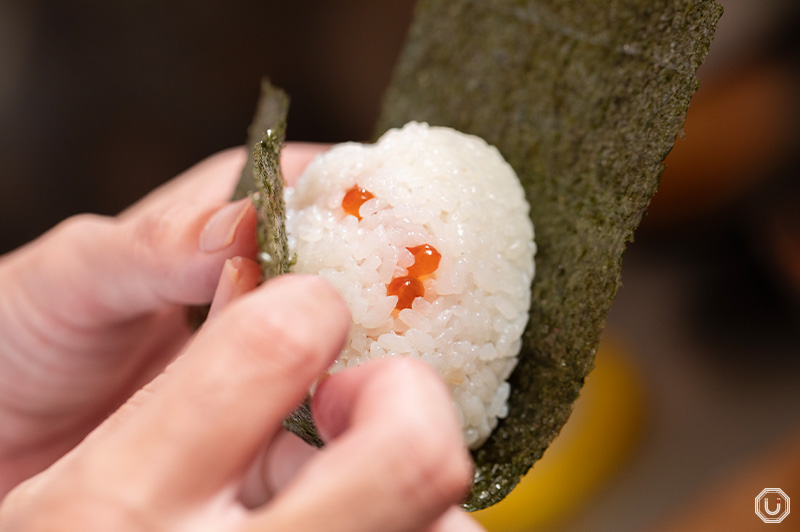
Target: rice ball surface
x,y
365,218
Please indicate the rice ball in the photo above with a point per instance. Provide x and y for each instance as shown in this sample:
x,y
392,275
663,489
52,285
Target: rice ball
x,y
427,236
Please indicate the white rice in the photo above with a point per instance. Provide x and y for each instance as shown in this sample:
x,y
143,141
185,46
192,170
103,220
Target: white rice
x,y
435,186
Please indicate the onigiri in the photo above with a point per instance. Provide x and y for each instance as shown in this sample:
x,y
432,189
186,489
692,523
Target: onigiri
x,y
427,236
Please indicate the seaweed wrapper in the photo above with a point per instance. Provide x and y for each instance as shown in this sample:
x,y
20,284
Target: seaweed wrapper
x,y
263,180
274,255
584,100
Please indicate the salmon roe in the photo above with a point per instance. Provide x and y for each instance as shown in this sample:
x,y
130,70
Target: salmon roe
x,y
354,199
407,289
426,260
426,257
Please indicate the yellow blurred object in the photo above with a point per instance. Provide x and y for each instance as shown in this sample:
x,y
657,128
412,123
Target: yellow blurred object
x,y
595,442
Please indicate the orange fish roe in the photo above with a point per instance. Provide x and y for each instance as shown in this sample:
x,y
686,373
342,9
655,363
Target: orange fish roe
x,y
354,199
407,289
426,260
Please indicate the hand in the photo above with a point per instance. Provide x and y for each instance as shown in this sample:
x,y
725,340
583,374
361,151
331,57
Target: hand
x,y
94,310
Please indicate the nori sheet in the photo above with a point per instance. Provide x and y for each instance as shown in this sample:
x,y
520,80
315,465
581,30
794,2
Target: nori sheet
x,y
584,99
271,111
273,246
263,180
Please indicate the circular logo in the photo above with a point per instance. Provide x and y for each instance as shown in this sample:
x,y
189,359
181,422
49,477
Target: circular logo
x,y
772,505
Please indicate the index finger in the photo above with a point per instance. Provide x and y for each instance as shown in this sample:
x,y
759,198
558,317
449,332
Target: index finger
x,y
296,156
200,423
395,458
214,179
209,182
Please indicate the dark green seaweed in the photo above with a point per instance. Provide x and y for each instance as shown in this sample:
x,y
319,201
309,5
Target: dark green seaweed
x,y
271,111
584,100
274,254
263,180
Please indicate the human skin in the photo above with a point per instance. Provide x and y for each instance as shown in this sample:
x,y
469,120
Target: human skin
x,y
116,416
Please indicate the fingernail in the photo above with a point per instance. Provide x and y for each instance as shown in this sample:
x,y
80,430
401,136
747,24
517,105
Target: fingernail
x,y
220,230
225,288
239,276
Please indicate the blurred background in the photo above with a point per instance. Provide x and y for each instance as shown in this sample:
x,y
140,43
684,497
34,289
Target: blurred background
x,y
102,101
695,404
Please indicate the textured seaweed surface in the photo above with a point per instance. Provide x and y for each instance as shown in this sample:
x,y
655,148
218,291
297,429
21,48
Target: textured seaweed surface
x,y
585,101
263,180
271,110
274,254
265,184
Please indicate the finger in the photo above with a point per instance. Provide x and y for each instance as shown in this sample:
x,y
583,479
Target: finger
x,y
209,182
287,454
456,520
197,427
214,179
296,156
239,276
395,458
274,468
92,271
167,249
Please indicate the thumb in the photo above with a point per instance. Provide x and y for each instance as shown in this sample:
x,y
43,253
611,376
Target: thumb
x,y
92,270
